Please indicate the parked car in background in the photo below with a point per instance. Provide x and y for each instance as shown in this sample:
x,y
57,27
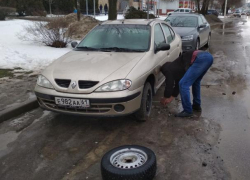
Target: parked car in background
x,y
194,30
246,12
113,71
237,13
213,11
180,10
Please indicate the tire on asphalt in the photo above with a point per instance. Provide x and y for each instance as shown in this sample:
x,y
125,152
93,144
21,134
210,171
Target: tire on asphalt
x,y
208,41
129,162
146,103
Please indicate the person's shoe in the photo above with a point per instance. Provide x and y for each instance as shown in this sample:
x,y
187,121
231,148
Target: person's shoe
x,y
197,108
184,114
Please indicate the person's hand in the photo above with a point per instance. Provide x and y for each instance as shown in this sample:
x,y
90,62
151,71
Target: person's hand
x,y
165,101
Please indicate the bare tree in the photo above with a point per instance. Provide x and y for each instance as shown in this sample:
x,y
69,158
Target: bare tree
x,y
198,5
50,4
112,13
78,10
231,3
204,8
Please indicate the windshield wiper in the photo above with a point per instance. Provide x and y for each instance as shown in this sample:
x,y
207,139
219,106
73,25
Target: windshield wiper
x,y
87,48
117,49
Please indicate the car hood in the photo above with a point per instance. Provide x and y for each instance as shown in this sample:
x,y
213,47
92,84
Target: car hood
x,y
184,31
91,66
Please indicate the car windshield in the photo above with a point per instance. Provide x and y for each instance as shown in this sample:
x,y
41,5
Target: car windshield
x,y
182,21
119,38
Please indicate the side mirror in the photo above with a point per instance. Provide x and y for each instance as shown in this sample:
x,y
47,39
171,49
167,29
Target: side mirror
x,y
202,26
162,47
74,44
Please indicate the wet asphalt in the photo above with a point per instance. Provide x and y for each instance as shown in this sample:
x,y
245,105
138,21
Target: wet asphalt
x,y
213,145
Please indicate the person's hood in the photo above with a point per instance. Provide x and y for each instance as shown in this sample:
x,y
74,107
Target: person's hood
x,y
91,66
185,31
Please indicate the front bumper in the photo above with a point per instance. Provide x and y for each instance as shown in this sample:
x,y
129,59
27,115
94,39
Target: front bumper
x,y
101,104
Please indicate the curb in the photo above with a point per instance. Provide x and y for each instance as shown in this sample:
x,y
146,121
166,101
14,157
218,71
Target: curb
x,y
19,109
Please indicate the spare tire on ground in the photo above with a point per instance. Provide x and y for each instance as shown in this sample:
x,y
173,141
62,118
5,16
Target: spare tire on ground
x,y
129,162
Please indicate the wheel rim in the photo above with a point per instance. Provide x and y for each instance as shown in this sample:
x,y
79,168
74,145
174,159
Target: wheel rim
x,y
148,101
129,158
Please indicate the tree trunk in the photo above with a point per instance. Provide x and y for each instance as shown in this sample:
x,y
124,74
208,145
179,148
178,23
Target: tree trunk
x,y
198,5
78,10
50,7
205,7
112,10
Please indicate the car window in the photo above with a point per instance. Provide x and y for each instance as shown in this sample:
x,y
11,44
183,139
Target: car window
x,y
159,37
187,10
167,33
203,19
182,21
200,22
181,10
177,10
132,37
172,33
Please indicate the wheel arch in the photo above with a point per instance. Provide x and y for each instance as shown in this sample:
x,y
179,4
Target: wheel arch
x,y
151,80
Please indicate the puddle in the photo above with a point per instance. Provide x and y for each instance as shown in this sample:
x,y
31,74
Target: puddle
x,y
226,26
7,138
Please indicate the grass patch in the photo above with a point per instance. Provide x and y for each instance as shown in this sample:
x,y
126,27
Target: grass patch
x,y
6,73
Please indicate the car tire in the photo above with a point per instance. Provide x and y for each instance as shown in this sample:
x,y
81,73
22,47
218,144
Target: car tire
x,y
208,41
129,162
197,44
146,103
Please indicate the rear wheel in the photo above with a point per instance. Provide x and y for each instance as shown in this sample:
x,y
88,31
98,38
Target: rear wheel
x,y
146,103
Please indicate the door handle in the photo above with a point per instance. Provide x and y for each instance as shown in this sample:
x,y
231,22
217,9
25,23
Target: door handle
x,y
168,54
178,45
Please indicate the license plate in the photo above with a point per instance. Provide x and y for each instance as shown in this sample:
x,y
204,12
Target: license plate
x,y
78,103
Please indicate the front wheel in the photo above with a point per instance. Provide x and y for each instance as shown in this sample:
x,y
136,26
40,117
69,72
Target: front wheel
x,y
146,103
208,41
197,44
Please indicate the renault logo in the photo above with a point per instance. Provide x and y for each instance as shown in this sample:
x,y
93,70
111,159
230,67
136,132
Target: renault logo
x,y
73,85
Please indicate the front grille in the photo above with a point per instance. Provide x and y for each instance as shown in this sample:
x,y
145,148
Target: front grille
x,y
63,82
93,109
87,84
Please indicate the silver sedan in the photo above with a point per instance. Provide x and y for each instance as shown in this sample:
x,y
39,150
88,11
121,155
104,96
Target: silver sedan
x,y
194,30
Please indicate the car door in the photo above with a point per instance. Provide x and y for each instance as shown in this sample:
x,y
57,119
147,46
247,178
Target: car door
x,y
174,44
160,57
207,28
202,32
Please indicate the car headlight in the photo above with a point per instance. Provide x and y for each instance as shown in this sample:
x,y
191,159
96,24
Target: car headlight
x,y
187,38
44,82
118,85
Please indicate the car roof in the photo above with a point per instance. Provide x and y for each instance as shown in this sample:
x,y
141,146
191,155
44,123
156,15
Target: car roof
x,y
186,14
183,8
134,21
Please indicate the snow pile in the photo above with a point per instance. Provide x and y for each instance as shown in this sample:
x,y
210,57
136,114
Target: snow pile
x,y
26,55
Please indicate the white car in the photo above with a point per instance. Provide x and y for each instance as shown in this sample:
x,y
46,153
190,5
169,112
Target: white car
x,y
181,10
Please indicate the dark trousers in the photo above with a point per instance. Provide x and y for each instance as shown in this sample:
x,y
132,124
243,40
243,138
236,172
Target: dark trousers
x,y
193,78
